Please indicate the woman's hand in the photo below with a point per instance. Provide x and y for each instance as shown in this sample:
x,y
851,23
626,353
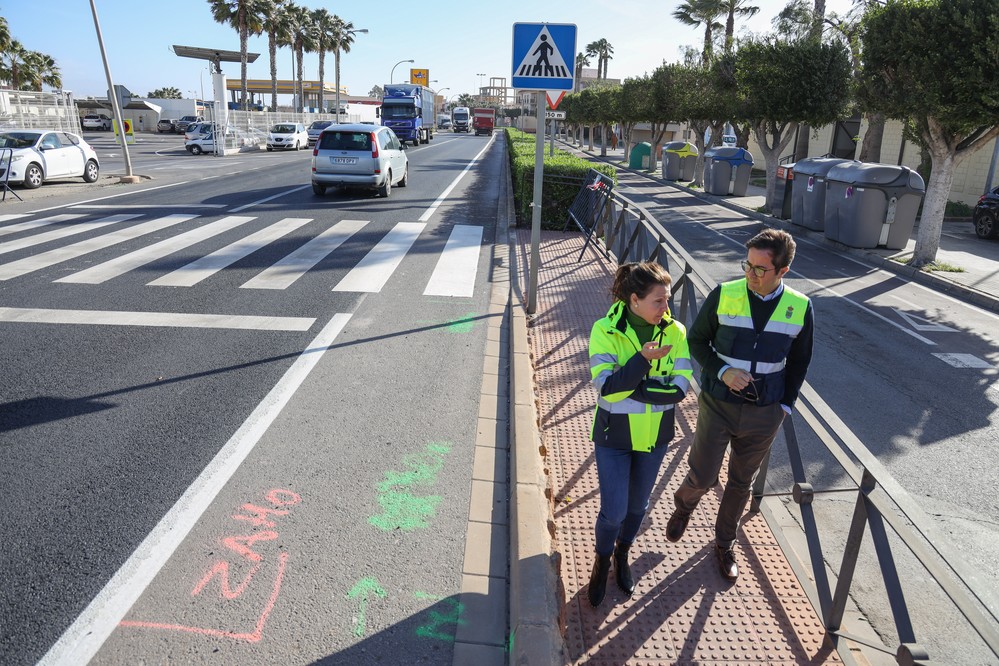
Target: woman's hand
x,y
652,351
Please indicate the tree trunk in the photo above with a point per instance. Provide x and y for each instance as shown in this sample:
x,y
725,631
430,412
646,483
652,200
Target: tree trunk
x,y
272,48
322,80
870,149
773,140
934,203
699,127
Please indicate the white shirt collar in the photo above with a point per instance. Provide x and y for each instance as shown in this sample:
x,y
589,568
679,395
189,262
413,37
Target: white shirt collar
x,y
772,295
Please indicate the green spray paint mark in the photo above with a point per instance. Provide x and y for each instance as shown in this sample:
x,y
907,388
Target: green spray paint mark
x,y
363,589
462,325
402,510
438,620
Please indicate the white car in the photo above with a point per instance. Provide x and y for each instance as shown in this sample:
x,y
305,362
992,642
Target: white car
x,y
205,143
196,129
365,156
96,121
32,157
288,135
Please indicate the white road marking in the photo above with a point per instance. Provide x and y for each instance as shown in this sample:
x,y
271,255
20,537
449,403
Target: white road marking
x,y
206,266
34,224
55,234
160,319
147,206
963,360
458,264
121,265
295,265
12,216
374,270
46,259
84,638
435,205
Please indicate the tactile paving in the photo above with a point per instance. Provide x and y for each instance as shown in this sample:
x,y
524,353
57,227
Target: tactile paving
x,y
682,610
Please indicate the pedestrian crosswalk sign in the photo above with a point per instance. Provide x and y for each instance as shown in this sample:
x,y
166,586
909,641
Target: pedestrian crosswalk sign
x,y
544,56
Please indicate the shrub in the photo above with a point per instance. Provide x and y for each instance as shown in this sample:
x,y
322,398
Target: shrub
x,y
564,176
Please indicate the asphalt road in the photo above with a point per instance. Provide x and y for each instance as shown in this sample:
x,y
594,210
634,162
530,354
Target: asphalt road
x,y
238,419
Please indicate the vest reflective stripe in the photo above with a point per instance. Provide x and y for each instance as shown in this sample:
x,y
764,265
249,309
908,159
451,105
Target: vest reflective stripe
x,y
734,311
629,406
761,368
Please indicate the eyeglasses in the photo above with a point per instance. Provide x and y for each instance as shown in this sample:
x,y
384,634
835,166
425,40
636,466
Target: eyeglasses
x,y
758,271
749,394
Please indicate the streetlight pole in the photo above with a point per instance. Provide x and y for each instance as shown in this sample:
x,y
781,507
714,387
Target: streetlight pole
x,y
480,86
392,75
128,177
337,54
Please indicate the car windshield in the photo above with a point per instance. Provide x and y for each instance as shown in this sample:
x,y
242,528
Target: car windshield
x,y
18,139
398,112
321,124
283,129
345,141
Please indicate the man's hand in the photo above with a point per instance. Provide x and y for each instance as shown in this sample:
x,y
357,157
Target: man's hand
x,y
737,379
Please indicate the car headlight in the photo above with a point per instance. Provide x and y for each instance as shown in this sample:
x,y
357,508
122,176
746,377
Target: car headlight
x,y
15,158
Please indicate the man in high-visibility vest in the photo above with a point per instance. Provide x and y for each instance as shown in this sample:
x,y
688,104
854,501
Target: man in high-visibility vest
x,y
753,341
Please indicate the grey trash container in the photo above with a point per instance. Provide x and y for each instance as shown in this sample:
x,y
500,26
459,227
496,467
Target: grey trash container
x,y
871,205
678,160
781,205
808,198
726,170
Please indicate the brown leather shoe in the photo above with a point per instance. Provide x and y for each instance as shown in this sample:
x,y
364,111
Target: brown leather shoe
x,y
726,562
676,525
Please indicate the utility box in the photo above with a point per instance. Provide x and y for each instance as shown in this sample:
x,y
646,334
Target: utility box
x,y
679,158
640,156
781,204
871,205
727,170
808,198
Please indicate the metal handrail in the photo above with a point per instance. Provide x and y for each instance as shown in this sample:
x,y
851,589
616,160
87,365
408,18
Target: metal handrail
x,y
630,233
6,158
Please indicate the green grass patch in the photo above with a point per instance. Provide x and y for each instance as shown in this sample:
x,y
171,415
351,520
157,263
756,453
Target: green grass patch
x,y
932,267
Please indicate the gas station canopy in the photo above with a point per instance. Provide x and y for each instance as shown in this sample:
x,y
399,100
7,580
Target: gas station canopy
x,y
215,56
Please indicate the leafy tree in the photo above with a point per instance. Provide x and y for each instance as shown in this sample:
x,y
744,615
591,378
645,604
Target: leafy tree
x,y
701,12
715,103
784,84
165,93
633,104
300,22
277,25
466,99
664,103
582,60
933,64
733,8
376,91
244,16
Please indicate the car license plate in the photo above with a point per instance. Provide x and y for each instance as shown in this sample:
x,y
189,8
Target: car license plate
x,y
343,160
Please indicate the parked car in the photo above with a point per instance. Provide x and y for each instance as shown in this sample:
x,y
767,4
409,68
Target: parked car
x,y
288,135
181,125
316,128
96,121
38,156
167,125
194,129
986,215
359,155
444,123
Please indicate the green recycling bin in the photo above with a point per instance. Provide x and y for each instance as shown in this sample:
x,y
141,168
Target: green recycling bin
x,y
678,160
640,156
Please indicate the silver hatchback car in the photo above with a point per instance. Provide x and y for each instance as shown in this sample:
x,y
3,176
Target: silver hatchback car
x,y
359,155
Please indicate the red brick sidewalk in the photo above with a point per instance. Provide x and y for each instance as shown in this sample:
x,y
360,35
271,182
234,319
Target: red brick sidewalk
x,y
682,611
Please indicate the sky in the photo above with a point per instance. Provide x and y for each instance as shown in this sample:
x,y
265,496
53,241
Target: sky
x,y
462,48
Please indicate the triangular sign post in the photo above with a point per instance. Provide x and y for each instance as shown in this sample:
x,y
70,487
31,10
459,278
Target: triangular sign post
x,y
554,98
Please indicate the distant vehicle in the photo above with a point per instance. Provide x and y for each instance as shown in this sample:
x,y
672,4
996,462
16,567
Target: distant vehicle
x,y
728,139
205,143
181,125
38,156
194,129
359,155
443,123
316,128
461,119
408,109
986,215
168,125
288,135
96,121
483,121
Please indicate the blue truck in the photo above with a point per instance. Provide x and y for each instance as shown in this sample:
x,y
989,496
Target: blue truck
x,y
409,110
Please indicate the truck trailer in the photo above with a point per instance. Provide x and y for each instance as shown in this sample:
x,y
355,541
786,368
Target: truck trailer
x,y
409,110
483,121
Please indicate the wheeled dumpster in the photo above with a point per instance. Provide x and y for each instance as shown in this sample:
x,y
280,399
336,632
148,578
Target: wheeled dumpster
x,y
726,170
679,158
871,205
780,206
640,156
808,198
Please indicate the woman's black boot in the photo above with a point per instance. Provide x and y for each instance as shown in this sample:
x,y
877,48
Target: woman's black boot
x,y
621,569
598,579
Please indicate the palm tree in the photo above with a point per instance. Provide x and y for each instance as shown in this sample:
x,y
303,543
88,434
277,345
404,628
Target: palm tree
x,y
14,57
700,12
582,60
300,21
39,69
244,16
276,25
735,8
343,37
592,52
323,27
603,50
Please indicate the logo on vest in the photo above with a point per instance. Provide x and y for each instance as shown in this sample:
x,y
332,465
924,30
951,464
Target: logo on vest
x,y
789,313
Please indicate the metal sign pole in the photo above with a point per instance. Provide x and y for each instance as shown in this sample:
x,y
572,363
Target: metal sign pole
x,y
539,165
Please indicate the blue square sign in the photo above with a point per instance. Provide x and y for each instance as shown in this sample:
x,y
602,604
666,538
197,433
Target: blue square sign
x,y
544,56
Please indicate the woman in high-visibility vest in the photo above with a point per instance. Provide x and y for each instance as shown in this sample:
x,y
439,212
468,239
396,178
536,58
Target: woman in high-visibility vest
x,y
641,368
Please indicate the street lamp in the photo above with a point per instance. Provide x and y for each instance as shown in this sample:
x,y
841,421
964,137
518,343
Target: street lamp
x,y
337,55
392,75
480,85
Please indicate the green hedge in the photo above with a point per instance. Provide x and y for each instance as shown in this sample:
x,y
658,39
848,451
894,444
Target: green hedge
x,y
557,196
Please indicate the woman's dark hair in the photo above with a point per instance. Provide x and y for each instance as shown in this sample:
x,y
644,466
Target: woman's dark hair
x,y
780,244
638,279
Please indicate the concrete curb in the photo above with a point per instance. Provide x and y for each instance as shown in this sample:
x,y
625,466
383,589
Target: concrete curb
x,y
535,599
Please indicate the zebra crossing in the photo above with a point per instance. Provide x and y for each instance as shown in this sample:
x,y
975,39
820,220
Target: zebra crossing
x,y
454,274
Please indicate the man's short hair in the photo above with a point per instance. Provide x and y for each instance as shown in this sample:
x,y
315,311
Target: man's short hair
x,y
780,244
